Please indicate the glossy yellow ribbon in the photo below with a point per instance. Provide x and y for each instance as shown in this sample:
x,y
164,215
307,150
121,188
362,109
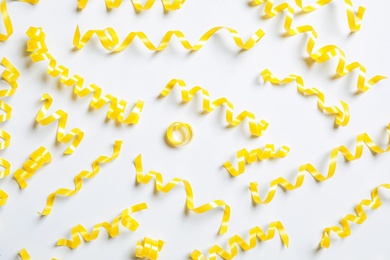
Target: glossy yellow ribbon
x,y
4,173
149,248
75,134
185,130
169,5
208,106
255,234
24,255
6,20
124,218
342,115
147,177
38,158
244,157
361,139
78,179
109,39
39,52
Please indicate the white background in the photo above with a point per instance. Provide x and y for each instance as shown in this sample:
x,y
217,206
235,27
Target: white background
x,y
138,73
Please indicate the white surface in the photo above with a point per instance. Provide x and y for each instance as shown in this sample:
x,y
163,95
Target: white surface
x,y
138,73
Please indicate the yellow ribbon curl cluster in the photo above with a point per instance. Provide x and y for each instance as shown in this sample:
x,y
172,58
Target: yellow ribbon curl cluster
x,y
168,5
38,158
147,177
78,179
235,241
75,134
6,20
184,128
39,52
244,157
208,106
149,248
125,219
361,139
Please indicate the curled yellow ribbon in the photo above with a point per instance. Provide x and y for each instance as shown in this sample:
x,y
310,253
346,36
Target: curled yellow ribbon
x,y
186,131
37,47
6,20
24,255
255,234
147,177
208,106
361,139
124,218
75,134
149,248
359,218
109,39
342,115
244,157
168,5
78,179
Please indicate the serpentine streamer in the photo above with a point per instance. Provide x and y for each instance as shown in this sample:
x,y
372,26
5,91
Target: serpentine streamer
x,y
6,20
169,5
149,248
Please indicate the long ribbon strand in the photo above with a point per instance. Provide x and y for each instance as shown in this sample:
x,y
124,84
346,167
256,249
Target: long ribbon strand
x,y
6,20
169,5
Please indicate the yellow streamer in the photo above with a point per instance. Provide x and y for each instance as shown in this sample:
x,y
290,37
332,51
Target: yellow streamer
x,y
244,157
147,177
255,234
75,134
109,39
359,218
24,255
124,218
256,129
149,248
186,131
361,139
39,52
342,115
138,7
6,20
78,180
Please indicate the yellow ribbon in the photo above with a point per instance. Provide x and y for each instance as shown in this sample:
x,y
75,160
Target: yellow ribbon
x,y
361,139
75,134
149,248
185,130
255,234
147,177
138,7
244,157
109,39
124,218
78,179
24,255
6,20
342,115
359,218
208,106
37,47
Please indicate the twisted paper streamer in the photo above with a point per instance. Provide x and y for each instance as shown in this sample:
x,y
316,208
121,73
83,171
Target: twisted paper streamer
x,y
359,218
38,158
109,39
186,131
138,7
256,129
149,248
6,20
254,234
39,52
361,139
147,177
75,134
342,115
124,218
78,180
244,157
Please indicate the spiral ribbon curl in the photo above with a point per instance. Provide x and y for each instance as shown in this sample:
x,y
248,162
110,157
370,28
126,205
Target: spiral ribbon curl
x,y
244,157
24,255
78,180
168,5
255,128
149,248
361,139
6,20
4,173
235,241
147,177
124,218
39,52
186,131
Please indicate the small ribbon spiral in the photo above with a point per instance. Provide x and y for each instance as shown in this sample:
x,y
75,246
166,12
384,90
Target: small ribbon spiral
x,y
149,248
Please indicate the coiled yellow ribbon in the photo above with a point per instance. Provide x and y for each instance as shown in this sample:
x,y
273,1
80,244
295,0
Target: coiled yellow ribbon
x,y
186,131
37,47
6,20
78,180
38,158
24,255
361,139
244,157
208,106
124,218
4,173
149,248
109,39
342,115
75,134
147,177
235,241
138,7
359,218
